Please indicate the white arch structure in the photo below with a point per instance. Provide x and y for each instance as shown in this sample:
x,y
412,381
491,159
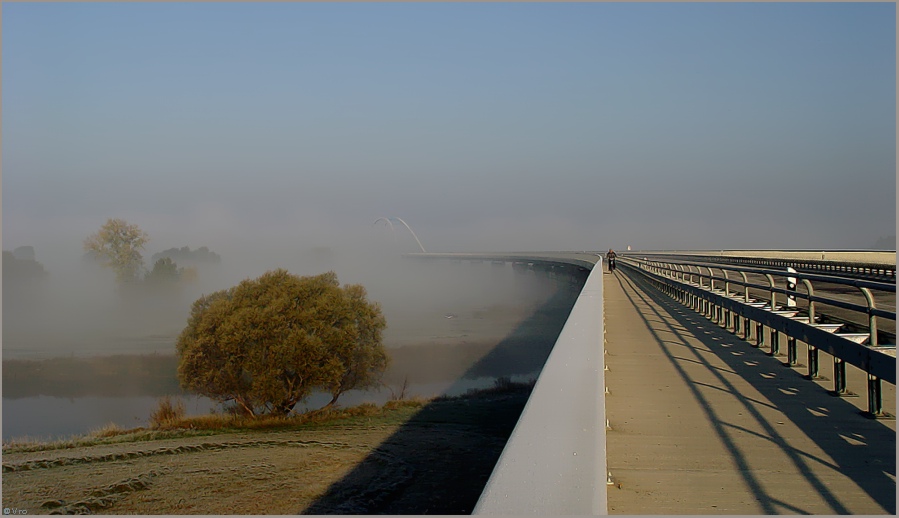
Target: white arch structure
x,y
390,224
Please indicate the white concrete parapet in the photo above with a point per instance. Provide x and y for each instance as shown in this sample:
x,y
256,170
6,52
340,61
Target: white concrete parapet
x,y
555,459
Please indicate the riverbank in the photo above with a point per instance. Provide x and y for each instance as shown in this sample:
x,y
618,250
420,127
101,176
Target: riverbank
x,y
424,457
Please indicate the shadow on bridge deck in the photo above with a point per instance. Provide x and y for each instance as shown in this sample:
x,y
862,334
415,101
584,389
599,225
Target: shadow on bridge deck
x,y
702,422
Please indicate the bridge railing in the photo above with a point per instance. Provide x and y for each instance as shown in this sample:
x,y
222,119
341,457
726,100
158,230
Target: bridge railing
x,y
688,283
859,268
555,460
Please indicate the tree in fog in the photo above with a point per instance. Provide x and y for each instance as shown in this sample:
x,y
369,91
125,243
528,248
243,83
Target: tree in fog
x,y
165,271
185,255
360,351
118,244
22,280
268,343
17,269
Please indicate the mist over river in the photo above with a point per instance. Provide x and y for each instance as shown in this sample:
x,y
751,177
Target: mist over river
x,y
451,328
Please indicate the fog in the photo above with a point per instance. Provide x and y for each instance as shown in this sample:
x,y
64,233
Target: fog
x,y
79,309
442,316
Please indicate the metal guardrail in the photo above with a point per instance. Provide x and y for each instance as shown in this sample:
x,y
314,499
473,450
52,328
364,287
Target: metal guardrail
x,y
854,269
697,289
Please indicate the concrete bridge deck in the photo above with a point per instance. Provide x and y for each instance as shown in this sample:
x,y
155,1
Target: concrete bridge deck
x,y
704,423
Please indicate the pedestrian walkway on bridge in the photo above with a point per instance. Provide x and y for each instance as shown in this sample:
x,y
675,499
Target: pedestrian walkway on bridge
x,y
702,422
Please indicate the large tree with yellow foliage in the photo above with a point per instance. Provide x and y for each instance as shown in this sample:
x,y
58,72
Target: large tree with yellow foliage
x,y
268,343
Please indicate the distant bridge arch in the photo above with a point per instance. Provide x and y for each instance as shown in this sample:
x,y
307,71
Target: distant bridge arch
x,y
390,221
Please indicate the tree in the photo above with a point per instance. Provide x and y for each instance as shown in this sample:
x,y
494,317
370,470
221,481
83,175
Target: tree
x,y
185,255
16,269
22,280
118,245
165,271
361,352
268,343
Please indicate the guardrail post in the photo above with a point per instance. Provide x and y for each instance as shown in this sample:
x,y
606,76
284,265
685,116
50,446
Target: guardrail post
x,y
746,325
727,312
714,309
812,363
775,343
703,303
791,351
875,397
872,318
839,379
811,300
745,287
760,328
773,293
875,391
812,350
747,328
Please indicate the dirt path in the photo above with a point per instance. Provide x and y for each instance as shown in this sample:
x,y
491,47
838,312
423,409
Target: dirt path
x,y
430,460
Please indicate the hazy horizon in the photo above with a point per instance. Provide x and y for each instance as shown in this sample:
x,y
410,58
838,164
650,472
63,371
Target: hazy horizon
x,y
487,127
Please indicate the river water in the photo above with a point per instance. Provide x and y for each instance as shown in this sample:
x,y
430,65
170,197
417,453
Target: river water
x,y
49,418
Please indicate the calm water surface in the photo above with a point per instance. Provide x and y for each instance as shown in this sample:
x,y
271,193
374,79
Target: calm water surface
x,y
48,418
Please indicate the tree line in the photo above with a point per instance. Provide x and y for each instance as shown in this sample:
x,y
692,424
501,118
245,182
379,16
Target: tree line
x,y
118,245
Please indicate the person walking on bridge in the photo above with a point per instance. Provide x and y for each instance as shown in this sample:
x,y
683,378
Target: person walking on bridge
x,y
610,256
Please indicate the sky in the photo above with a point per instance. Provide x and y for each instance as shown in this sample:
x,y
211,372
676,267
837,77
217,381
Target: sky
x,y
485,126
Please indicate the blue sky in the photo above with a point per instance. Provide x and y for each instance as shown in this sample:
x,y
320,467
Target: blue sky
x,y
484,126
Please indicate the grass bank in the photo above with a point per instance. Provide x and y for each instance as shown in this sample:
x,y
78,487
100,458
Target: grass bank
x,y
176,426
404,457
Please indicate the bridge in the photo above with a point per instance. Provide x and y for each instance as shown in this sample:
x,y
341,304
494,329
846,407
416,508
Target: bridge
x,y
676,387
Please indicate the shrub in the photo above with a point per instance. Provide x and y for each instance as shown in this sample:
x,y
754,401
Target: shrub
x,y
166,412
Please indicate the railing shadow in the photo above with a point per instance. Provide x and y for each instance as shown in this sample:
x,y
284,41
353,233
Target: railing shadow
x,y
393,480
869,459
